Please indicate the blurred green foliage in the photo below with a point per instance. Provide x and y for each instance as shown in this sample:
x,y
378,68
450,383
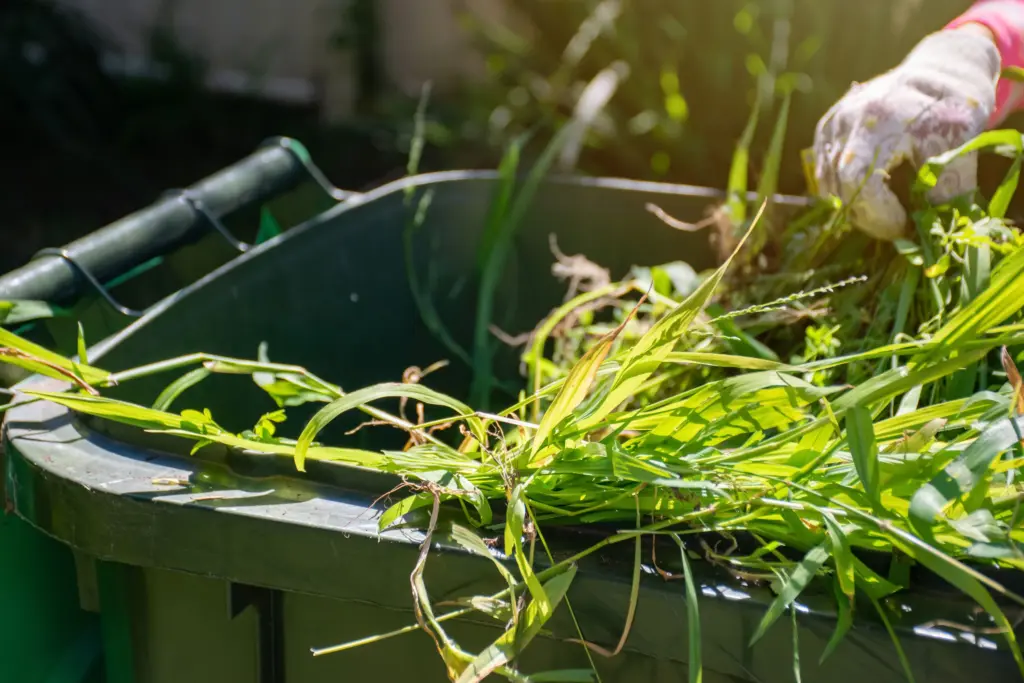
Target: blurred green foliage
x,y
86,146
693,68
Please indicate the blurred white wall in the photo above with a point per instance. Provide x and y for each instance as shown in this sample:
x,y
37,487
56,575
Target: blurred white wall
x,y
279,48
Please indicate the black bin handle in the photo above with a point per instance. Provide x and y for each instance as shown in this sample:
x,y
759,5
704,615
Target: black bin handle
x,y
60,275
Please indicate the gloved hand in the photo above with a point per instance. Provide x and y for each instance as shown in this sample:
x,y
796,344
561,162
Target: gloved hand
x,y
940,96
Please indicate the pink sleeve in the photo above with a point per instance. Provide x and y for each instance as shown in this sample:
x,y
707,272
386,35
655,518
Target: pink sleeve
x,y
1005,19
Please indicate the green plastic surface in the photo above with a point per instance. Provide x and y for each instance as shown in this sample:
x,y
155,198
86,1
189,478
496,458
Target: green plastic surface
x,y
45,637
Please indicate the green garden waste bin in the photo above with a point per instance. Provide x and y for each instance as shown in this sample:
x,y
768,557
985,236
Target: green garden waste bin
x,y
45,634
243,565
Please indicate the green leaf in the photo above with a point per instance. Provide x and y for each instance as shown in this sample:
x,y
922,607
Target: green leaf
x,y
929,418
928,174
415,462
497,609
739,169
23,311
474,544
994,551
844,621
873,584
539,612
939,268
796,647
631,468
508,646
740,341
721,360
796,583
269,227
861,435
287,389
980,526
515,521
1001,198
83,354
910,250
1012,73
500,203
504,224
535,356
892,383
769,183
178,387
404,507
196,425
959,478
842,556
124,412
1003,298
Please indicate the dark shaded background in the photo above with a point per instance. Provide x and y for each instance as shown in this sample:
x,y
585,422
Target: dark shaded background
x,y
82,149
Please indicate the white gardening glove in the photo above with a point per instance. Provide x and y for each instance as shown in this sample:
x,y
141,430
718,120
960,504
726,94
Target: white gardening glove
x,y
938,98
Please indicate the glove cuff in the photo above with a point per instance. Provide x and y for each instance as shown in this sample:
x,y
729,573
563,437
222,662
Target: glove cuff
x,y
1005,19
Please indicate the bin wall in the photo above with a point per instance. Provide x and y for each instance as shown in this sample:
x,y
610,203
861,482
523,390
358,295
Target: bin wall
x,y
44,633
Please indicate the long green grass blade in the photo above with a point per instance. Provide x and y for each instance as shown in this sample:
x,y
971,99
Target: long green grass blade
x,y
500,241
844,620
904,662
22,353
860,432
515,525
695,664
179,386
795,584
516,639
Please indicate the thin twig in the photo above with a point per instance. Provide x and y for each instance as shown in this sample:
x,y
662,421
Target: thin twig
x,y
14,353
677,224
507,420
633,596
508,339
978,630
582,273
416,577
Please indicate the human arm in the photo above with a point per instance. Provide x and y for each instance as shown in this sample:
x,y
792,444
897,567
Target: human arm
x,y
1002,22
